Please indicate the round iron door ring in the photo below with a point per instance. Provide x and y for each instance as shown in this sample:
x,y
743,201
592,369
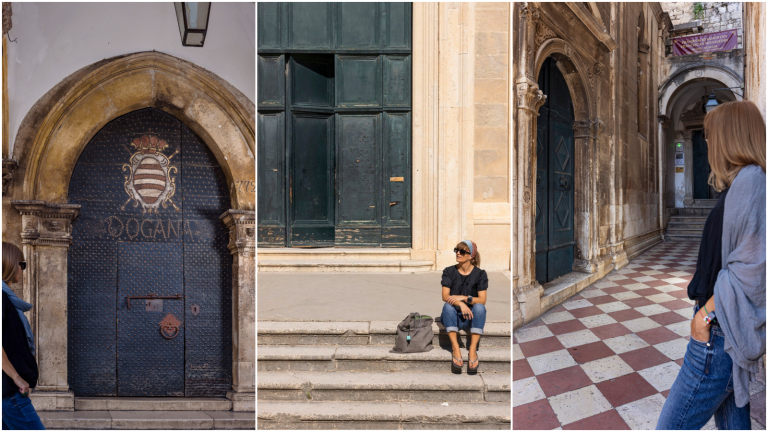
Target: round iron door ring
x,y
169,326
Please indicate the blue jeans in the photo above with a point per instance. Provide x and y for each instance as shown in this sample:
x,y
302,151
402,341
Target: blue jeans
x,y
19,414
704,387
453,321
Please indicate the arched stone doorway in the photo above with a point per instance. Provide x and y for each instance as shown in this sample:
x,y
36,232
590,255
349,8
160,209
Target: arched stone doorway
x,y
50,141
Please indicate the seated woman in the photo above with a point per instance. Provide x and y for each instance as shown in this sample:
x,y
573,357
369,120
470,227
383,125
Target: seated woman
x,y
464,294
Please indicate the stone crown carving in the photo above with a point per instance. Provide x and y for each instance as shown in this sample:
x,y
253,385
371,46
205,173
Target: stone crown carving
x,y
529,97
242,231
46,224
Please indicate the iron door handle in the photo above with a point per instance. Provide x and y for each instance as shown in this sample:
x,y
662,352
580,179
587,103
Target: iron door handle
x,y
151,297
563,182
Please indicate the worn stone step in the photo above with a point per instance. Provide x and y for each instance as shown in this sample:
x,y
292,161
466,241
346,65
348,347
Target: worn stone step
x,y
673,237
383,386
148,420
333,253
383,415
686,225
344,266
365,333
151,404
372,358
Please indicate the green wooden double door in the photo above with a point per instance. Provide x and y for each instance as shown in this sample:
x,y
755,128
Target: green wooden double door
x,y
334,124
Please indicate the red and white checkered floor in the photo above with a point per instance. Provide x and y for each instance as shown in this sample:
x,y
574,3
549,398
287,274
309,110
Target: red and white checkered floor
x,y
607,357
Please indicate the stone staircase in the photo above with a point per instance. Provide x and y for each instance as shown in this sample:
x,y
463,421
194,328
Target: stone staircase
x,y
687,224
354,260
149,413
341,375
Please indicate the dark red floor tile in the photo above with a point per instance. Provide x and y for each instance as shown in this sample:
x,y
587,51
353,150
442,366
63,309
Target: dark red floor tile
x,y
576,297
614,290
563,380
609,420
644,358
682,294
637,302
625,389
676,304
542,346
601,300
623,282
668,318
566,327
521,370
655,283
610,331
657,335
625,315
633,275
559,309
536,323
680,361
586,311
591,351
647,291
535,415
514,339
665,393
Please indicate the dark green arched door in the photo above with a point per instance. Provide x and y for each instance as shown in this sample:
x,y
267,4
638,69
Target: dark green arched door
x,y
554,177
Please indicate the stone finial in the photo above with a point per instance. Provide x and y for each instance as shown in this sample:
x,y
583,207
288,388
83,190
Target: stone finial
x,y
7,12
242,231
9,166
46,224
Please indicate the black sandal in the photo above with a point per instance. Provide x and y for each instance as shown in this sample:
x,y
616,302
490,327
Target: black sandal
x,y
454,367
471,370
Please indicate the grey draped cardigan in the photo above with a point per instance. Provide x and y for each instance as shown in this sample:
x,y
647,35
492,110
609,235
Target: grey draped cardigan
x,y
740,286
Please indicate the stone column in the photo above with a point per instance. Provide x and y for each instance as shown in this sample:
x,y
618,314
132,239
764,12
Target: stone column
x,y
242,243
583,260
46,237
688,155
664,123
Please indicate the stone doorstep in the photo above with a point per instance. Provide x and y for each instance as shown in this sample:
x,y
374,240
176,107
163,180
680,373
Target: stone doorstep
x,y
151,404
148,420
417,413
373,386
343,266
355,328
352,254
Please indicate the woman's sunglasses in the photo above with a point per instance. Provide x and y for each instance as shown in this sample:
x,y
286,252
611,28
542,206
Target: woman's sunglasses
x,y
23,265
460,251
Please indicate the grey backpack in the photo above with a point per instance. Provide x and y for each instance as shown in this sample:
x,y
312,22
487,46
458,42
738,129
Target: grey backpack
x,y
414,334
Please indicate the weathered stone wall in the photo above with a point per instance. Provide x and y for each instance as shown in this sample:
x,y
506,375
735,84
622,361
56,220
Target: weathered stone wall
x,y
717,16
754,40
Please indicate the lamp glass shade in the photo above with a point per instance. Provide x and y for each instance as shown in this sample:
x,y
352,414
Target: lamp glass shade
x,y
711,103
193,22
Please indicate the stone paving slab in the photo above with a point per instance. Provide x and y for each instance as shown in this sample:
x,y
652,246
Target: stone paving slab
x,y
166,420
369,381
160,420
151,404
366,296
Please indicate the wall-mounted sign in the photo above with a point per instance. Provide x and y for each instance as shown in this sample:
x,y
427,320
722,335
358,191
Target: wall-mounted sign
x,y
705,43
679,158
679,169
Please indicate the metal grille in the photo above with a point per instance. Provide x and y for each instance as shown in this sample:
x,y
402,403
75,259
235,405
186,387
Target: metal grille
x,y
149,224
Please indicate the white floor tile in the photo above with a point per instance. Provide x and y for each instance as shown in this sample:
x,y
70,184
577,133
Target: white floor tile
x,y
651,309
525,391
612,307
577,338
626,343
606,368
643,413
579,404
517,353
626,295
661,376
577,304
551,361
597,320
683,328
532,333
661,298
640,324
674,349
556,317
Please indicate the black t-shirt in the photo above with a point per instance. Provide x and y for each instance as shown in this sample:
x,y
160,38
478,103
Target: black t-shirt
x,y
16,348
476,280
710,260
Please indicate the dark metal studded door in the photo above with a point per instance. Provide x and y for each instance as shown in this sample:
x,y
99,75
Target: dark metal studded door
x,y
554,177
334,139
149,272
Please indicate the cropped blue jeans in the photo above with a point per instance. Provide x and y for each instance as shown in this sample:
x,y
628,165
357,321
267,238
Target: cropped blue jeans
x,y
704,387
454,321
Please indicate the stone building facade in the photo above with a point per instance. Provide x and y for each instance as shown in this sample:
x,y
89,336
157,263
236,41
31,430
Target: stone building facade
x,y
80,82
605,59
754,59
455,162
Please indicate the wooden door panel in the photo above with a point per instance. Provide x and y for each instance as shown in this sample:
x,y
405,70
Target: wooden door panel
x,y
271,179
271,91
396,229
358,25
397,18
310,25
541,222
359,79
269,25
700,167
311,188
358,220
397,80
312,81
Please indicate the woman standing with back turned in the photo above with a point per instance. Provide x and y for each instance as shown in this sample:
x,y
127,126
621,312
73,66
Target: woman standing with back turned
x,y
728,328
19,366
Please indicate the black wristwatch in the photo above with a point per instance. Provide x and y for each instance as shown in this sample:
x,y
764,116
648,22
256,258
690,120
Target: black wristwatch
x,y
469,300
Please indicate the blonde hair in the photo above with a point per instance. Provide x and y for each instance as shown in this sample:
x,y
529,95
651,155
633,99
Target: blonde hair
x,y
735,134
12,256
474,261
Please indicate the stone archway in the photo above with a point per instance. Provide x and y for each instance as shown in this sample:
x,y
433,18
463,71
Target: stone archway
x,y
48,144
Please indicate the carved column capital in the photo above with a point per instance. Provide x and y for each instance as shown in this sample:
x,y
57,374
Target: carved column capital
x,y
598,126
242,231
664,121
529,97
581,128
9,166
45,224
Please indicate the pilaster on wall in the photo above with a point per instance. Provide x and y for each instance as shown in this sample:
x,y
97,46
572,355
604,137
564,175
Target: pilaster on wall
x,y
242,244
46,237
